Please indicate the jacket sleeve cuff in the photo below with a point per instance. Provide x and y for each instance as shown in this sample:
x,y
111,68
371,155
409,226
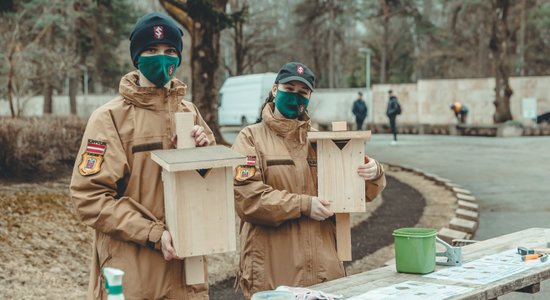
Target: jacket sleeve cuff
x,y
153,240
380,170
305,205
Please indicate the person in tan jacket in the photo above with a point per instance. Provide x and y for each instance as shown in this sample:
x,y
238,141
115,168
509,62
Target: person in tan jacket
x,y
117,189
287,234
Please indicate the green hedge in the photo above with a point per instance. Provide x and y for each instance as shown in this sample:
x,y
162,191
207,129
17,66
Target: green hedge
x,y
38,146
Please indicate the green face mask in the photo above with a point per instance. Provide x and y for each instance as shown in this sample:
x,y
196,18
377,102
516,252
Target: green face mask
x,y
159,69
291,105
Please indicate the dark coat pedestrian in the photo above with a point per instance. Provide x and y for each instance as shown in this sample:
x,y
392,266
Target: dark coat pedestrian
x,y
394,109
360,111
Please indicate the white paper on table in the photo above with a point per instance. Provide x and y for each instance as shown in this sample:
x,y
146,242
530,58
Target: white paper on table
x,y
487,269
413,290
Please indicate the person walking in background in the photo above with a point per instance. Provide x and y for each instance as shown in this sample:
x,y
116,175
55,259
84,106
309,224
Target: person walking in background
x,y
460,110
394,109
116,188
360,111
287,233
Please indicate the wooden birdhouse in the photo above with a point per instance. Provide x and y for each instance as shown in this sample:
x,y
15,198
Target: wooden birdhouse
x,y
198,198
339,153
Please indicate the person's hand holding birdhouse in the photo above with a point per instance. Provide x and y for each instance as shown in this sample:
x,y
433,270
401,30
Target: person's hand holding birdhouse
x,y
369,170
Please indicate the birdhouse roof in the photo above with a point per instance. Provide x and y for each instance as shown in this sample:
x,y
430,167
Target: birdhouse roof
x,y
339,135
218,156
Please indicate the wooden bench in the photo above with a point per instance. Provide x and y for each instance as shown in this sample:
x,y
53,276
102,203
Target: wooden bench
x,y
527,281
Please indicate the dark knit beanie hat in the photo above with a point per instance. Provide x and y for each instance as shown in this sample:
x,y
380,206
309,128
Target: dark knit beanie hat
x,y
154,28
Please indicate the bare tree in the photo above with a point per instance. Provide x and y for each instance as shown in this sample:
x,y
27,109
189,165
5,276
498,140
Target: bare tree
x,y
501,46
204,20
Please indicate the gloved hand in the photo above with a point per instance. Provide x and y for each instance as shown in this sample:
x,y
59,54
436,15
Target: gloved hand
x,y
369,170
319,209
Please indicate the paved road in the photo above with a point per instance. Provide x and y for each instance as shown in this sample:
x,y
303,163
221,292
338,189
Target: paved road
x,y
510,177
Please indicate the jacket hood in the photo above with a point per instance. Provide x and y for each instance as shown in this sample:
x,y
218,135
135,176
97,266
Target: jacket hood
x,y
288,128
151,98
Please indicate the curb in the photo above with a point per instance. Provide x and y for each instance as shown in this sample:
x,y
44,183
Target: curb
x,y
465,223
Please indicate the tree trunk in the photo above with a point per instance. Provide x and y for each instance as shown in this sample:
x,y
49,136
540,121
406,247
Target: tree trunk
x,y
47,92
205,52
331,46
73,88
500,43
239,48
204,64
47,88
521,51
385,37
10,84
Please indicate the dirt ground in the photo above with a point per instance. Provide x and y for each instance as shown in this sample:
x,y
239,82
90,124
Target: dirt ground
x,y
46,252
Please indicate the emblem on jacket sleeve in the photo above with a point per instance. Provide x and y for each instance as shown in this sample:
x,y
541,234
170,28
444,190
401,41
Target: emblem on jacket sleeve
x,y
244,172
92,158
251,160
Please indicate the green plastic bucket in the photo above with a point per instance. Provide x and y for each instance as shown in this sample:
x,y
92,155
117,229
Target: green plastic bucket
x,y
415,250
273,295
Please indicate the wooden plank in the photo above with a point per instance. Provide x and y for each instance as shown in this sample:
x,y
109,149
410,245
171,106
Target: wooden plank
x,y
343,236
442,180
170,205
203,218
461,191
451,185
230,209
360,283
468,205
194,266
339,135
466,197
217,156
467,214
463,225
448,235
338,181
194,270
184,125
339,126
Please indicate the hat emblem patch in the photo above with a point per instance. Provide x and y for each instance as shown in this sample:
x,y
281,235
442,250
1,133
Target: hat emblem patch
x,y
300,70
158,32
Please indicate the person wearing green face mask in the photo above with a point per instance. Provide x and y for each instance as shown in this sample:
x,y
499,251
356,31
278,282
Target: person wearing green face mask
x,y
287,232
116,187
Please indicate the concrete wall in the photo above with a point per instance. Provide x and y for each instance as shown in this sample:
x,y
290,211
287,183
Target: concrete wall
x,y
426,102
60,106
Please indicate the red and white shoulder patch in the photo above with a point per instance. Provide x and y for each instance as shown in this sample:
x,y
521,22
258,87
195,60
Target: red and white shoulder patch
x,y
92,158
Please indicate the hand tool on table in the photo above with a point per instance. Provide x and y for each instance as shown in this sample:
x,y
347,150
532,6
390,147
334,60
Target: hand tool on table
x,y
543,257
533,254
453,254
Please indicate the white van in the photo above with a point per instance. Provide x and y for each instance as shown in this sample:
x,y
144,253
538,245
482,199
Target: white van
x,y
241,98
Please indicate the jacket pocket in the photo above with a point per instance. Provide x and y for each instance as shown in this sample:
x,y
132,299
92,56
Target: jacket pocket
x,y
246,273
104,258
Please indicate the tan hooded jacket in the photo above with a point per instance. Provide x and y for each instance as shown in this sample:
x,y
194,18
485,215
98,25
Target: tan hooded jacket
x,y
280,244
117,189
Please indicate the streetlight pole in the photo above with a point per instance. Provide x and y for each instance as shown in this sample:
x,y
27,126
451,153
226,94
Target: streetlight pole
x,y
370,101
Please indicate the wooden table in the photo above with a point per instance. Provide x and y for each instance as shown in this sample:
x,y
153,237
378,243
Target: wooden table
x,y
526,281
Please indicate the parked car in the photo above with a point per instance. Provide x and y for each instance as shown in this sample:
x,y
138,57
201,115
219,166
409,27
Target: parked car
x,y
241,98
